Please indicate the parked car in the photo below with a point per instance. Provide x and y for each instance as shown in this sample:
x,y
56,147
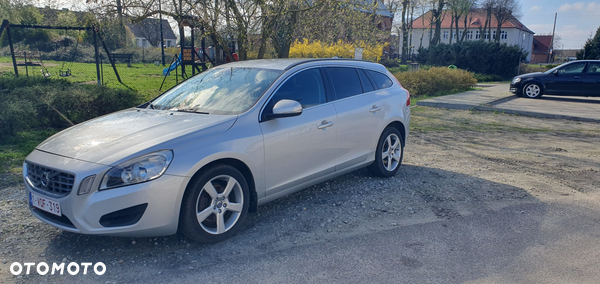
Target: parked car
x,y
575,78
202,155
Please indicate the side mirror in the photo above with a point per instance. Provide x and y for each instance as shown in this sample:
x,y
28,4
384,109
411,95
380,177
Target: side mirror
x,y
555,72
285,108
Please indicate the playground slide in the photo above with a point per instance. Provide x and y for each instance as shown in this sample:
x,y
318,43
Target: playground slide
x,y
167,71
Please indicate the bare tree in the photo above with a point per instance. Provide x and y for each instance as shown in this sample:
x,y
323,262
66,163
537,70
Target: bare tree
x,y
504,10
436,14
488,7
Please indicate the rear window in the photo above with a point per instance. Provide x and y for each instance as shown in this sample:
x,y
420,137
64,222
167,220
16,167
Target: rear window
x,y
381,81
345,81
367,86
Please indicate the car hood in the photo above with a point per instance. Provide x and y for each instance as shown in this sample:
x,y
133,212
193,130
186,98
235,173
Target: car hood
x,y
111,138
531,75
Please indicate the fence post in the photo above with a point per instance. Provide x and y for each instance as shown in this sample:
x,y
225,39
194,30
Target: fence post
x,y
96,55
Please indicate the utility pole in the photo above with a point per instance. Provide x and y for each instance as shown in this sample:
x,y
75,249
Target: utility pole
x,y
551,47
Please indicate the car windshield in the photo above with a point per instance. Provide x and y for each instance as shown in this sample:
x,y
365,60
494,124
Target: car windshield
x,y
218,91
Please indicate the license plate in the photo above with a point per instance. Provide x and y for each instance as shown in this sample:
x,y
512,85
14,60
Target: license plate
x,y
45,204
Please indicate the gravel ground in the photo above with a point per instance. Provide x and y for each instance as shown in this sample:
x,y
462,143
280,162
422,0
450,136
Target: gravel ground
x,y
456,164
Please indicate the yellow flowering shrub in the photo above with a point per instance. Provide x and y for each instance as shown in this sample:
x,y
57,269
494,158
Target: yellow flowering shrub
x,y
318,49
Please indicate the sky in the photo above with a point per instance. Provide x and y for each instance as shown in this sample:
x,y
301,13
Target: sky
x,y
575,22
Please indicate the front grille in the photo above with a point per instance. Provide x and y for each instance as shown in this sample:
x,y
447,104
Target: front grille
x,y
48,180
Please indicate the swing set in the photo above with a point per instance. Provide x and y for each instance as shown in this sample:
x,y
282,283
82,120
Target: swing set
x,y
65,68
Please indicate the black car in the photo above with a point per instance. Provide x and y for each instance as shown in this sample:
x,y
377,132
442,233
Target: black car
x,y
576,78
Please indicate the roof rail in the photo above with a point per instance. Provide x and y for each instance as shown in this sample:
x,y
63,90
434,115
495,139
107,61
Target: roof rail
x,y
325,59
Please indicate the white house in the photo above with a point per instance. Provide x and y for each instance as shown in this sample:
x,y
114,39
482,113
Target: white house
x,y
513,32
147,33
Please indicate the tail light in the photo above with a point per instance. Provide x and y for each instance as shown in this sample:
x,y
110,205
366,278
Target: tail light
x,y
407,93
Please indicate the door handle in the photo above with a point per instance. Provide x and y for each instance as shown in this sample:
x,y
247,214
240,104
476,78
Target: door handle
x,y
375,109
577,77
325,124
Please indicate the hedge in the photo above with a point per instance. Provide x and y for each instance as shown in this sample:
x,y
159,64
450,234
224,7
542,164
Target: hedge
x,y
35,102
436,80
482,57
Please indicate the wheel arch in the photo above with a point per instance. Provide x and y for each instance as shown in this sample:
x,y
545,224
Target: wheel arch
x,y
240,166
400,127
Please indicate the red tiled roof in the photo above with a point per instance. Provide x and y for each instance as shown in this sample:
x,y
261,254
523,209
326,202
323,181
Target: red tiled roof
x,y
476,17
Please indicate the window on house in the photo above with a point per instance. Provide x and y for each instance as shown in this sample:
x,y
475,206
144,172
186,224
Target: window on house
x,y
445,34
144,42
168,43
494,35
477,35
470,35
137,41
503,35
460,35
487,35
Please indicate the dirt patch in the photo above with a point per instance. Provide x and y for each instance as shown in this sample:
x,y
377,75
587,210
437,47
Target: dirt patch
x,y
456,164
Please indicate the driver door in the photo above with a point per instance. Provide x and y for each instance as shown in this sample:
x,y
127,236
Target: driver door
x,y
299,149
567,81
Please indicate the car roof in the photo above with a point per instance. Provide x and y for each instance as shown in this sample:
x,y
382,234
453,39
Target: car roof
x,y
288,63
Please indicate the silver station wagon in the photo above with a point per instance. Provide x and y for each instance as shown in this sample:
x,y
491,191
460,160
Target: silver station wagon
x,y
202,155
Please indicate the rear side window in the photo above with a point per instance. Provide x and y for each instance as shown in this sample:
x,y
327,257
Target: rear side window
x,y
345,81
366,83
381,81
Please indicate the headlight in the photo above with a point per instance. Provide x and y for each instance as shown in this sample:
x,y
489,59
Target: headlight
x,y
516,80
140,169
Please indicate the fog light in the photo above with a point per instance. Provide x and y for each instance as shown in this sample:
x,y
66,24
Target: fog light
x,y
86,185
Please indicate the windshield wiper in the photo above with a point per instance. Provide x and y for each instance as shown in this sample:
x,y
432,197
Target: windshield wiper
x,y
191,110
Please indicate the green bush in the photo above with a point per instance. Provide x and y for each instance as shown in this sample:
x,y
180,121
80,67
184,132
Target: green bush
x,y
530,68
475,56
389,63
34,102
487,78
401,68
436,80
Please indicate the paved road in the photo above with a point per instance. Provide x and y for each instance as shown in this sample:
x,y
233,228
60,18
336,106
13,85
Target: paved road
x,y
496,97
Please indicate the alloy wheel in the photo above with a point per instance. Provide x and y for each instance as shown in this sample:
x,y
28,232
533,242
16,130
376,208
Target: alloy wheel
x,y
391,152
219,204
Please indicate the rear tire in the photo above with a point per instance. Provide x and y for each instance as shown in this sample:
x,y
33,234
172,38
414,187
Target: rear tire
x,y
214,205
389,153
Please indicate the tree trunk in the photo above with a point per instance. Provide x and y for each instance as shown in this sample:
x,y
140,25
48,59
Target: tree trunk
x,y
404,31
437,14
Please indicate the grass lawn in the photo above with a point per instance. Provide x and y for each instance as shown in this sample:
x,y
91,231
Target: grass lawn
x,y
144,78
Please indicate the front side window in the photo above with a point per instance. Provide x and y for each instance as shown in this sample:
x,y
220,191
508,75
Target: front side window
x,y
218,91
345,81
306,87
572,68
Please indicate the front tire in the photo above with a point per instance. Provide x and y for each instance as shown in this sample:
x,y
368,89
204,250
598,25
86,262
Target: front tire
x,y
389,153
214,205
532,91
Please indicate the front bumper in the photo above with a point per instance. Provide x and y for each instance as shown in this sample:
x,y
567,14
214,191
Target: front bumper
x,y
82,213
515,88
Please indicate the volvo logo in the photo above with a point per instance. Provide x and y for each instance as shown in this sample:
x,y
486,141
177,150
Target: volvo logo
x,y
45,179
